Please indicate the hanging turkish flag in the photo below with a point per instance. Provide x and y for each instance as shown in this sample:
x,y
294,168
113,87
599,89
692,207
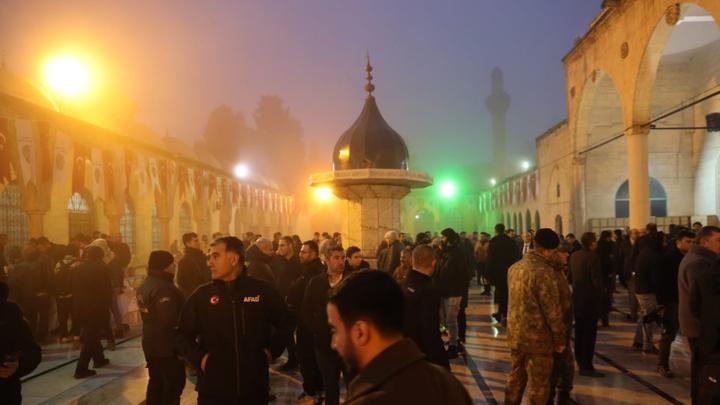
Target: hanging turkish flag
x,y
109,169
182,180
46,159
81,156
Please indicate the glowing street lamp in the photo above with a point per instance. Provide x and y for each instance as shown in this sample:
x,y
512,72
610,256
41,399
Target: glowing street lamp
x,y
68,76
323,194
493,182
241,171
525,165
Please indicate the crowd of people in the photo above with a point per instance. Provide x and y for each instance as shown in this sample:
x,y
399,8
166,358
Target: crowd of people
x,y
224,308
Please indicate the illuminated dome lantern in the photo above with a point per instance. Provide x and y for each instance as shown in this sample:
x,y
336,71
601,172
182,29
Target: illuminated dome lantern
x,y
370,176
370,142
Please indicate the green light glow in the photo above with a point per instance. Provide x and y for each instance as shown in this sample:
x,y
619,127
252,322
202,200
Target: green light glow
x,y
448,189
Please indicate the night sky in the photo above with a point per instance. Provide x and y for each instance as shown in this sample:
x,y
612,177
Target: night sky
x,y
179,59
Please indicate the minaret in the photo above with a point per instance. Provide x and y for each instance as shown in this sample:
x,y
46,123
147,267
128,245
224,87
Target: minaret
x,y
498,103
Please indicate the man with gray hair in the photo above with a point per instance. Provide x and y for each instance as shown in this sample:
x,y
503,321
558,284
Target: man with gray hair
x,y
259,257
388,254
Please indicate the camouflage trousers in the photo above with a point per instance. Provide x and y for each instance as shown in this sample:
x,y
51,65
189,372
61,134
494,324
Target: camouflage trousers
x,y
561,380
532,371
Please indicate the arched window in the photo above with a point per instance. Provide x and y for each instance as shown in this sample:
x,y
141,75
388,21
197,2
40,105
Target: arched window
x,y
658,200
80,216
127,225
184,219
13,221
537,220
557,190
155,229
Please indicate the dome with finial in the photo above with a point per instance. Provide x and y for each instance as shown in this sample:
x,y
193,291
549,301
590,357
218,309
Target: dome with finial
x,y
370,143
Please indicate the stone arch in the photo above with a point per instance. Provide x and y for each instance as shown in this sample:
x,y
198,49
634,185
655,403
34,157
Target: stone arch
x,y
654,50
599,101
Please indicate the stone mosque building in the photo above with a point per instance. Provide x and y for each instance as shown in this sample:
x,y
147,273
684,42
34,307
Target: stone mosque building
x,y
60,176
640,142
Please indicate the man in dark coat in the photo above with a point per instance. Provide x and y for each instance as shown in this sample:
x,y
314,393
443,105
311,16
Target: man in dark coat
x,y
231,328
667,296
192,270
366,315
311,267
422,307
704,302
502,253
291,271
649,260
259,258
699,259
160,303
628,269
42,289
389,255
18,350
314,315
452,279
605,252
588,294
92,298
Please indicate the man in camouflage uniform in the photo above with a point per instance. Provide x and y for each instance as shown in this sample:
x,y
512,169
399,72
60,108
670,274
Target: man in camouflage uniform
x,y
563,363
536,328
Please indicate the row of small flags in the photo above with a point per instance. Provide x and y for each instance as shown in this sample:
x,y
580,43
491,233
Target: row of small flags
x,y
512,192
46,155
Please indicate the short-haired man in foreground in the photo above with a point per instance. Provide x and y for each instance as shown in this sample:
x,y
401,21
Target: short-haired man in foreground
x,y
366,317
231,328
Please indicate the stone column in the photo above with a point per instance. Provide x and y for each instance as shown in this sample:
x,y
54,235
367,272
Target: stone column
x,y
164,232
638,177
35,223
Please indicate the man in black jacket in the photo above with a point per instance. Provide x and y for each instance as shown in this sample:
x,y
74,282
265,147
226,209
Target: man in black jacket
x,y
422,307
314,315
649,260
160,303
452,279
587,296
704,302
92,299
502,253
19,354
192,270
311,267
290,272
259,257
667,296
231,328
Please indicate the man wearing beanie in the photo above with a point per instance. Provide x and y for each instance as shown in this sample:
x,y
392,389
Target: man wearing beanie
x,y
536,328
160,303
